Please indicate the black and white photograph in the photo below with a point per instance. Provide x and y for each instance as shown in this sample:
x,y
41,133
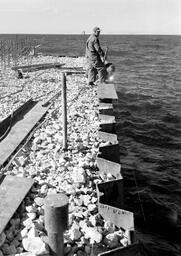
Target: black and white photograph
x,y
90,127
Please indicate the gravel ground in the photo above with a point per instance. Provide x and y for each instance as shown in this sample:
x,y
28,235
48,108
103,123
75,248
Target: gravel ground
x,y
36,85
73,172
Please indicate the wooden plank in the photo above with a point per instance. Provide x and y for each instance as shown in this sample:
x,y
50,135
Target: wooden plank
x,y
20,130
12,191
12,118
107,91
38,66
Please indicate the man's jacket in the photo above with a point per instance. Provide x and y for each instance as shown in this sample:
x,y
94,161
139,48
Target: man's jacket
x,y
93,49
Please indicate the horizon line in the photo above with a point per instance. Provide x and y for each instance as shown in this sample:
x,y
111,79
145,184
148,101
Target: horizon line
x,y
129,34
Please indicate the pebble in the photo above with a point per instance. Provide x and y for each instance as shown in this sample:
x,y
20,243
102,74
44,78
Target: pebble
x,y
30,209
39,201
111,240
74,232
33,232
93,235
31,215
24,232
78,175
92,207
86,199
35,245
27,223
109,227
124,241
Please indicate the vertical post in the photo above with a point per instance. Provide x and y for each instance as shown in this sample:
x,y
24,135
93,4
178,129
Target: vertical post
x,y
64,110
56,221
1,55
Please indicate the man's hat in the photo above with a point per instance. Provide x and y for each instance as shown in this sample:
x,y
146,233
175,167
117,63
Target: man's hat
x,y
96,29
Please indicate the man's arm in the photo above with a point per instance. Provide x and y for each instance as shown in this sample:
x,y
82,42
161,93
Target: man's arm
x,y
98,47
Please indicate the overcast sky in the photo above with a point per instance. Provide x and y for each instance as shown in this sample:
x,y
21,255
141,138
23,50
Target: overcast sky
x,y
75,16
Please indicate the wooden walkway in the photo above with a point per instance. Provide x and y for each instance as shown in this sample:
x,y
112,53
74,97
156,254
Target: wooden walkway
x,y
19,131
35,67
12,192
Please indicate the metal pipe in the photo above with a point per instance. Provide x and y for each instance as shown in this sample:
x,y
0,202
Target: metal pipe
x,y
64,110
56,221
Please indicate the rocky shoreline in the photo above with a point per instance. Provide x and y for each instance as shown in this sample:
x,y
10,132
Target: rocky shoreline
x,y
73,172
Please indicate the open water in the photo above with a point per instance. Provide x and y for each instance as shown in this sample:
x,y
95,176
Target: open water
x,y
148,82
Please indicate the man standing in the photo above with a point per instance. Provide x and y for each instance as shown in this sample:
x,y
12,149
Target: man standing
x,y
94,53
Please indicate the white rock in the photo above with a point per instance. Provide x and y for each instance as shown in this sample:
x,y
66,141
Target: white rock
x,y
83,163
32,170
86,199
78,175
94,200
52,191
24,232
79,214
35,245
93,235
124,241
37,140
27,223
75,234
69,189
92,219
83,225
111,240
31,215
30,208
21,160
39,201
33,232
78,201
92,207
110,227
